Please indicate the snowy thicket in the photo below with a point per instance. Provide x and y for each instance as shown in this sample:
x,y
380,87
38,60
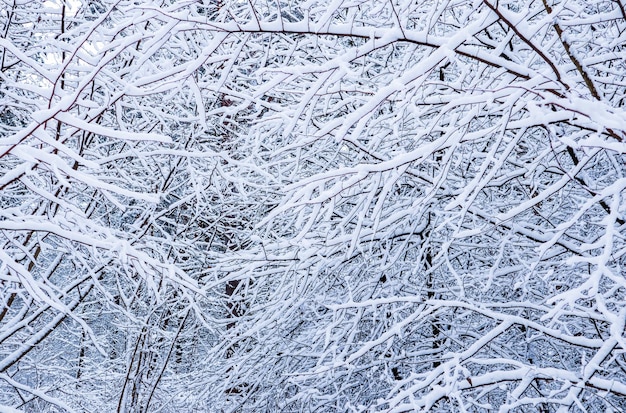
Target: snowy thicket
x,y
369,205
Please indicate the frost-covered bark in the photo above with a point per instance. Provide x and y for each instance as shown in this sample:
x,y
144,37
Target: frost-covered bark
x,y
345,206
451,231
112,193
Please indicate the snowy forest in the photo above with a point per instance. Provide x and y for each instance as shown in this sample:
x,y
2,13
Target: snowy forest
x,y
312,206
